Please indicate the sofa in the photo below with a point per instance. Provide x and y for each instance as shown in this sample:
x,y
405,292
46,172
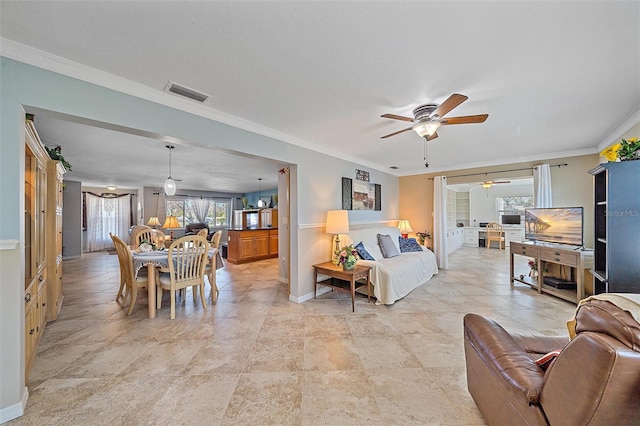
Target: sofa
x,y
595,379
393,277
193,228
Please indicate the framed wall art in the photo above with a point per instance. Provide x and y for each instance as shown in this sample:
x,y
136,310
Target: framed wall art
x,y
359,195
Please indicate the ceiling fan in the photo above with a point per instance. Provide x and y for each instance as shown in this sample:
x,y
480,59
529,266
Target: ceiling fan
x,y
489,183
429,117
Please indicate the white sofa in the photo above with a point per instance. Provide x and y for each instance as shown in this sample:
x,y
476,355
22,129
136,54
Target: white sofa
x,y
395,277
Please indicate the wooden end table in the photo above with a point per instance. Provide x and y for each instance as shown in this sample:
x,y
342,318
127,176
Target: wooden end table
x,y
337,274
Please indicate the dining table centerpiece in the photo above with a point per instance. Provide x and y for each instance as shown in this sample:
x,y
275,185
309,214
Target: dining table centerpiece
x,y
347,256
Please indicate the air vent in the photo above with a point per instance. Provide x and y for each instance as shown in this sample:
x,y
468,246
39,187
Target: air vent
x,y
186,92
393,167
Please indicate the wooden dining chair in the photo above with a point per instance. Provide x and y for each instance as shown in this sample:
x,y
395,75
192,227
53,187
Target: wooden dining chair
x,y
128,278
187,260
494,233
133,236
204,232
158,238
215,239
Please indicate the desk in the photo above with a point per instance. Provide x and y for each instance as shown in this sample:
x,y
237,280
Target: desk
x,y
160,258
334,273
472,235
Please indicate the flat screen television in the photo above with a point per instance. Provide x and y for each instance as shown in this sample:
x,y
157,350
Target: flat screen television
x,y
563,225
511,219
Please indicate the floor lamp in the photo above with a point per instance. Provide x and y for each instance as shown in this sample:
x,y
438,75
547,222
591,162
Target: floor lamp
x,y
337,223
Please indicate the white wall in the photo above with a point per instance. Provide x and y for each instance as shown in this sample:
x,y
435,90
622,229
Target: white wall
x,y
72,219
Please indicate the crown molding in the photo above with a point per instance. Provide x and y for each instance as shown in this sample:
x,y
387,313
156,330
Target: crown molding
x,y
48,61
633,120
504,161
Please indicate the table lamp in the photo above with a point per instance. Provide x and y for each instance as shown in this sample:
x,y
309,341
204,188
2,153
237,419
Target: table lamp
x,y
153,222
337,223
404,228
170,223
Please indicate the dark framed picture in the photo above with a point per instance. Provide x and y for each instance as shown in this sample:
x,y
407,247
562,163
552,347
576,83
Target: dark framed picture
x,y
358,195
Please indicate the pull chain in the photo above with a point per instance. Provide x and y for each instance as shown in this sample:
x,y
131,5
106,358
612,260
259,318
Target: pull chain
x,y
426,155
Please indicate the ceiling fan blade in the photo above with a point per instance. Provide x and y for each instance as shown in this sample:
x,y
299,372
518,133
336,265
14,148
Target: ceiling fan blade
x,y
467,119
452,102
397,117
396,133
433,136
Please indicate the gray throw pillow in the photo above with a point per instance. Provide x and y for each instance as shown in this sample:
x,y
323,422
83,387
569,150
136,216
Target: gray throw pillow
x,y
387,246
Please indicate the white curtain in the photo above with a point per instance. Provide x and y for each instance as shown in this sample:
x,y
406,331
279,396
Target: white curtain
x,y
542,186
200,208
440,221
106,215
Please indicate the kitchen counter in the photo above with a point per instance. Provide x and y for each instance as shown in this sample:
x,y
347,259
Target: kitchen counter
x,y
249,245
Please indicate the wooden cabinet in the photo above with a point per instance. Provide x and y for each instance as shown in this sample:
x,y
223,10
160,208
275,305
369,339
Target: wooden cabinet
x,y
561,269
617,227
35,245
252,244
54,238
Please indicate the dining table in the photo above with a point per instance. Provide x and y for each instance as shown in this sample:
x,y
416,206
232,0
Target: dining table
x,y
160,259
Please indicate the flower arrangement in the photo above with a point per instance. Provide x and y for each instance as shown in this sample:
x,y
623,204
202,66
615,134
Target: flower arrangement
x,y
347,256
422,236
145,246
534,266
623,151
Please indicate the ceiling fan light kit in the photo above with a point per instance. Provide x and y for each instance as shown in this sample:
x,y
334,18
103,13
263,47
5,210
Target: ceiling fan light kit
x,y
170,184
426,128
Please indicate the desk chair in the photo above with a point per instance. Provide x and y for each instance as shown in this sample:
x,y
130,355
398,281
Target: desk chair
x,y
494,233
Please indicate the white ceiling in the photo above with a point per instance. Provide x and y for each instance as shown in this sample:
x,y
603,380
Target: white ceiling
x,y
556,78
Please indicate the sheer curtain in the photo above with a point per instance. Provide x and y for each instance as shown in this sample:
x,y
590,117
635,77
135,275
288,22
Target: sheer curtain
x,y
200,208
106,215
542,186
440,221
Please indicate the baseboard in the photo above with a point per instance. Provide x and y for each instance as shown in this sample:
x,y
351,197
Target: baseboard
x,y
309,296
71,257
16,410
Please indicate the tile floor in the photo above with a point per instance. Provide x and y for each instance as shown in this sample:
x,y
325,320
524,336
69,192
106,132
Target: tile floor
x,y
255,358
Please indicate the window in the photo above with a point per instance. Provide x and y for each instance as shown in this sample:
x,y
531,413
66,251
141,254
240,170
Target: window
x,y
217,215
513,205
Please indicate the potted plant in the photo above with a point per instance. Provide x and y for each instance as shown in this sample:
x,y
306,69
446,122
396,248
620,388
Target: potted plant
x,y
56,154
422,236
623,151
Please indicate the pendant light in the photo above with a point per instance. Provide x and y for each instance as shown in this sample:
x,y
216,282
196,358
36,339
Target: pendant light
x,y
260,202
170,184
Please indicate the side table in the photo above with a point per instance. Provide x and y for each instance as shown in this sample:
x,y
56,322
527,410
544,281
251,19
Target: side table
x,y
337,274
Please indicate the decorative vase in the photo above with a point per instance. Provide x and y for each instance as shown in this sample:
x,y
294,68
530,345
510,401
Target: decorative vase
x,y
346,267
533,273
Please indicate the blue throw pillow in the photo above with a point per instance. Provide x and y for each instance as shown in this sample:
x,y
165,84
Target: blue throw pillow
x,y
364,254
408,244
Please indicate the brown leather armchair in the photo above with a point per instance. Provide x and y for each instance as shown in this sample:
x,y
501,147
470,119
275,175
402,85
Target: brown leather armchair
x,y
594,381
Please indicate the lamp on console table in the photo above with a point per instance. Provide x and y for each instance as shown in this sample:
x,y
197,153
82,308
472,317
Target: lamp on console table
x,y
170,223
337,223
153,222
404,228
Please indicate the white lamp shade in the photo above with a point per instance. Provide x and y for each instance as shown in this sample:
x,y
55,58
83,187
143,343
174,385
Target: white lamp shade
x,y
170,186
426,128
337,222
405,227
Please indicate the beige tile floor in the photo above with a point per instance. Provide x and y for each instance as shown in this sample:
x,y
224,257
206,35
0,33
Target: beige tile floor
x,y
256,358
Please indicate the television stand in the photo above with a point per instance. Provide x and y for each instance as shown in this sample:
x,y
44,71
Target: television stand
x,y
554,260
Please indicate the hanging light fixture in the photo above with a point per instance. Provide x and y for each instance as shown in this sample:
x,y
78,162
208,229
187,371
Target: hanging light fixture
x,y
261,203
426,127
170,184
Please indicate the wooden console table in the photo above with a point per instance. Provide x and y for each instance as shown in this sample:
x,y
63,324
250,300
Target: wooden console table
x,y
337,276
558,261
